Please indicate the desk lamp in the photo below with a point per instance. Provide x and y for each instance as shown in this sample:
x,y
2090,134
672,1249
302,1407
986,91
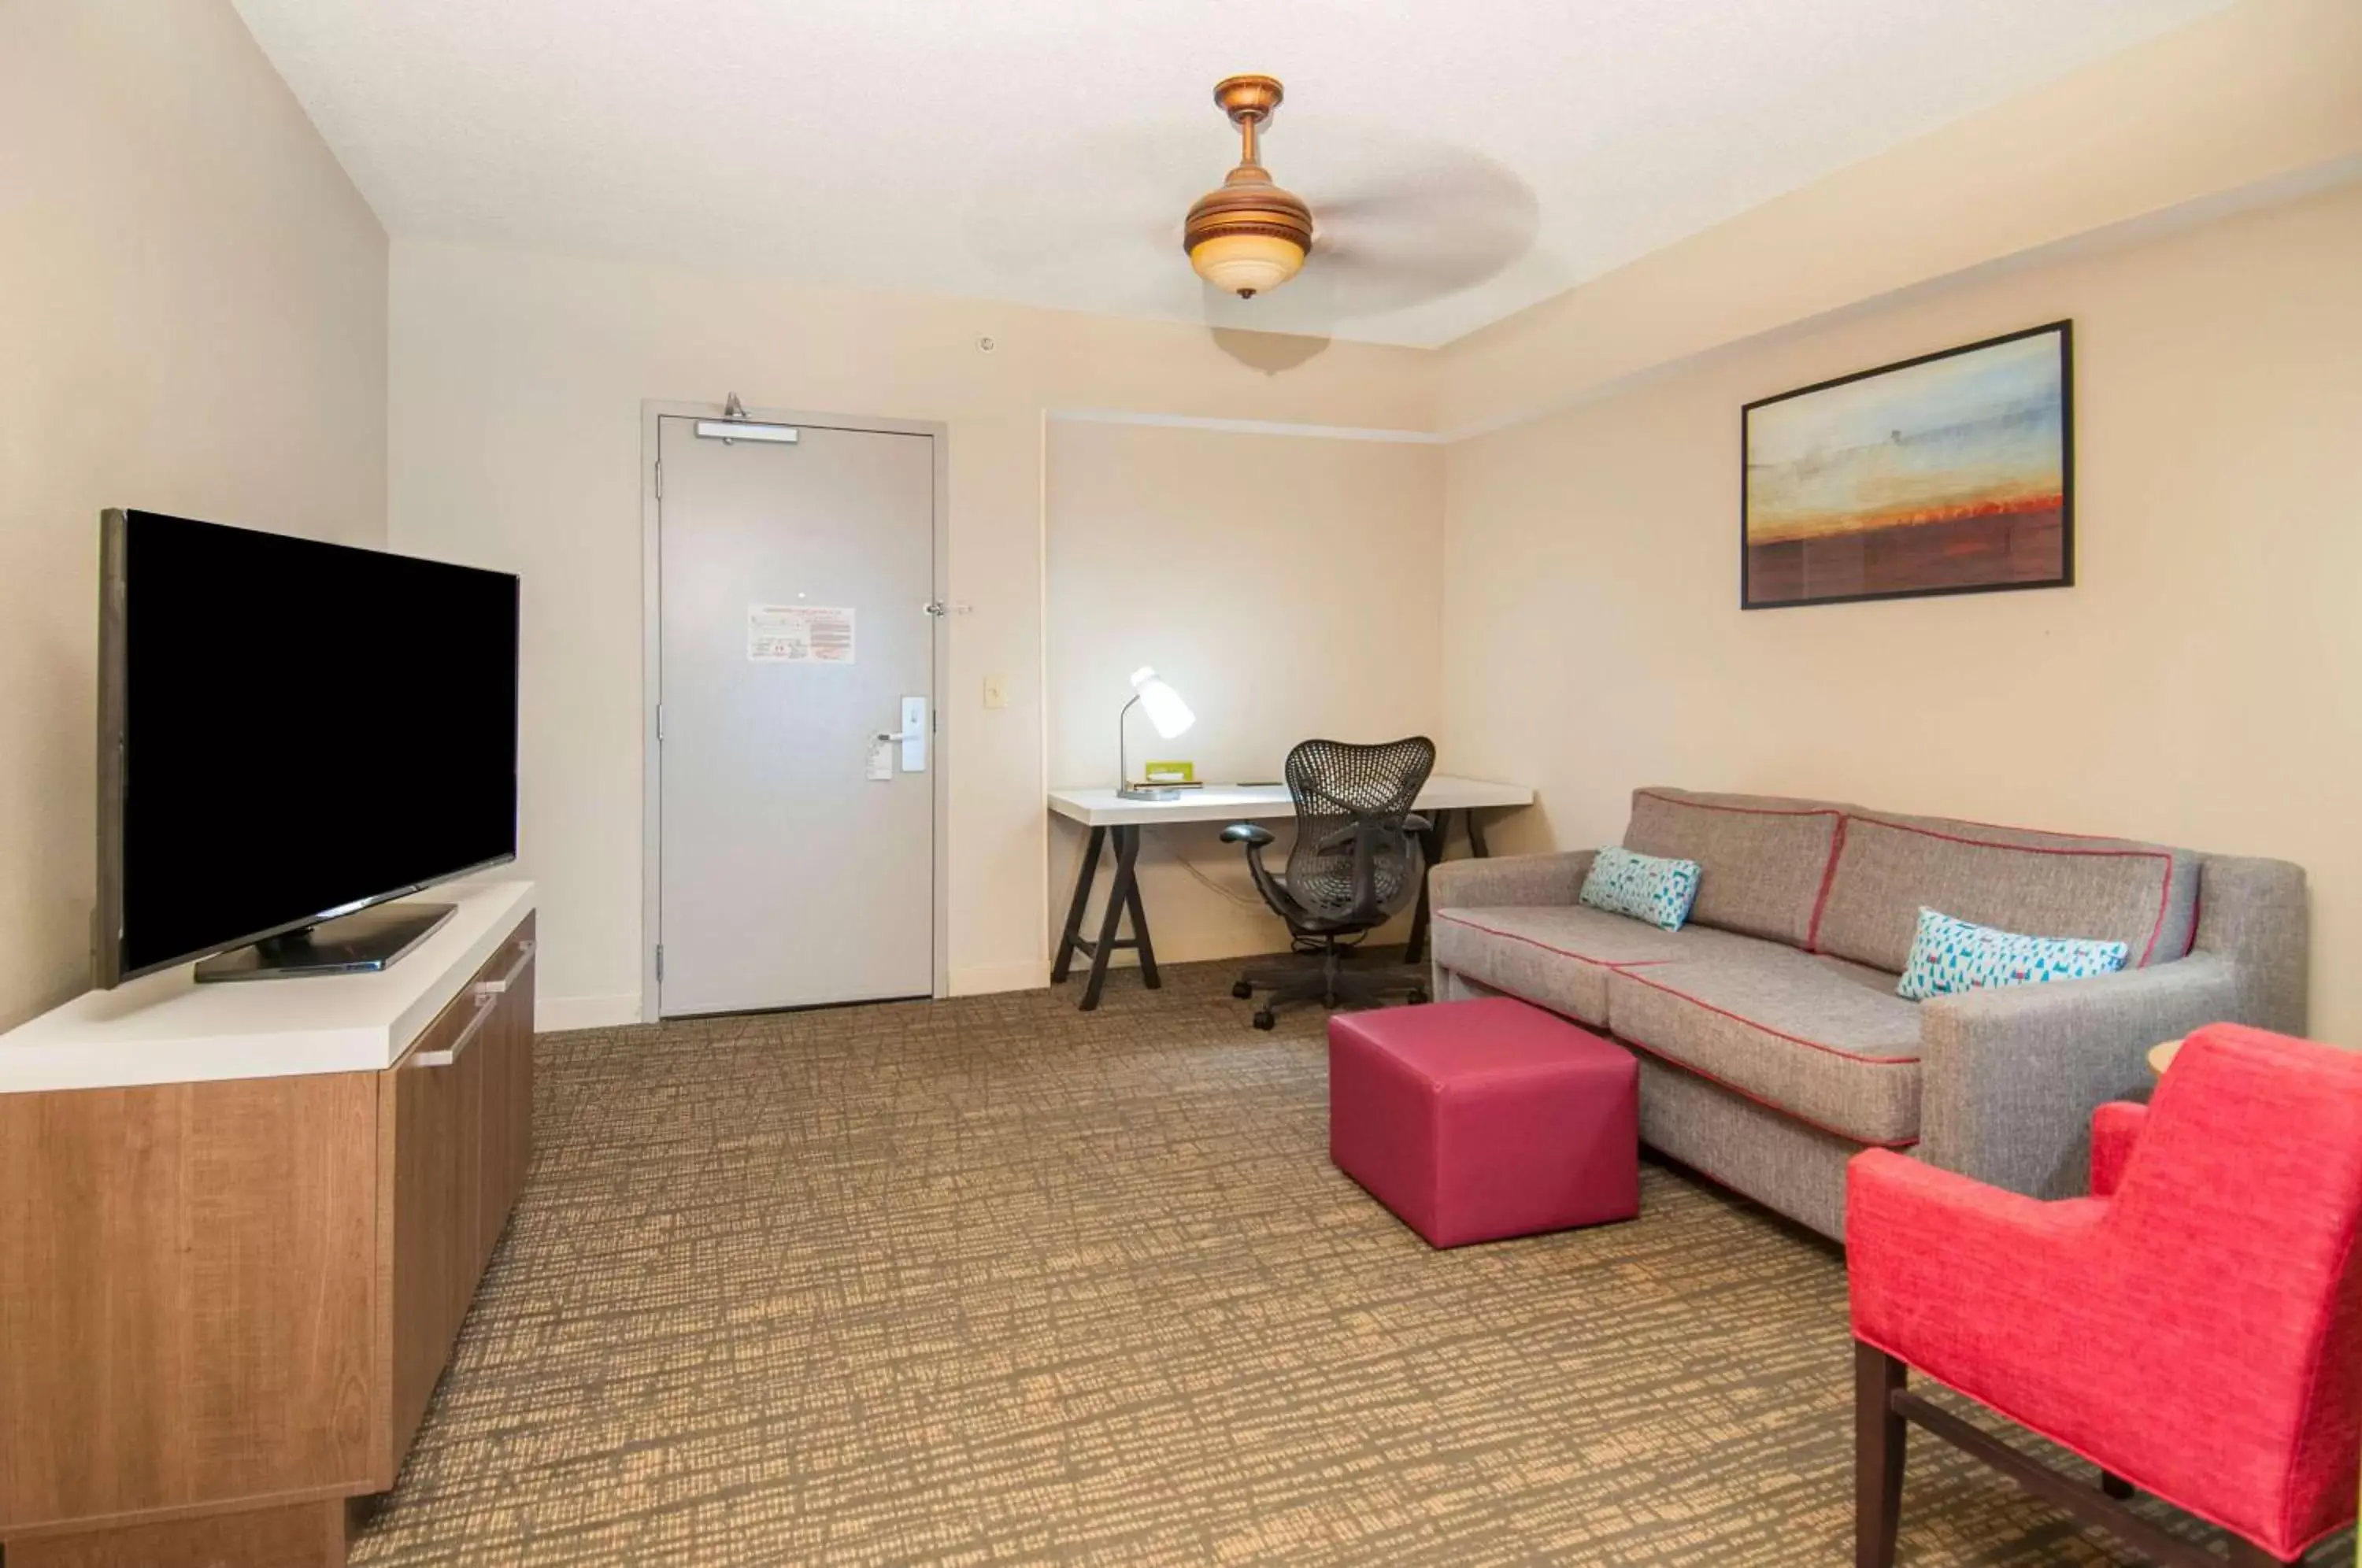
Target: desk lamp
x,y
1167,712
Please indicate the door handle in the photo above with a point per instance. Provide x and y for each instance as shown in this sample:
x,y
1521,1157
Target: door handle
x,y
486,1000
524,957
914,735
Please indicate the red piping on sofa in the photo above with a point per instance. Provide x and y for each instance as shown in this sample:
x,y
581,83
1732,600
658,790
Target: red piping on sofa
x,y
2164,892
1447,916
1674,1061
1743,811
1778,1033
1829,880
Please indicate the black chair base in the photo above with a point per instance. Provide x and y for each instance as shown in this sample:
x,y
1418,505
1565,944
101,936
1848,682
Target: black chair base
x,y
1326,976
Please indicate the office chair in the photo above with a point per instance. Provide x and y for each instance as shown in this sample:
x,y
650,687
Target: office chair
x,y
1356,862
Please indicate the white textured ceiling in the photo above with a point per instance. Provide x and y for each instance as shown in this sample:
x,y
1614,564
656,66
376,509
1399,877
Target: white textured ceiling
x,y
1463,160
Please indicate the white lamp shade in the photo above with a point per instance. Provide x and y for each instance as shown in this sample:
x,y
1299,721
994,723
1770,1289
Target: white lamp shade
x,y
1164,705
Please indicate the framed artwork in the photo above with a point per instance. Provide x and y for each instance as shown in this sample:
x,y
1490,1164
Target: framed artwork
x,y
1950,473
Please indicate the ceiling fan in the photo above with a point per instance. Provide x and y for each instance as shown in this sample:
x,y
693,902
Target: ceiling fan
x,y
1444,218
1249,235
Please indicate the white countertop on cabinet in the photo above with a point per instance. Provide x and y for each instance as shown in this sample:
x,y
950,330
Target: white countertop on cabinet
x,y
165,1028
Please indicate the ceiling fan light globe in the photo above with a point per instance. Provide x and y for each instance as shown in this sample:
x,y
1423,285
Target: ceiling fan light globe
x,y
1246,264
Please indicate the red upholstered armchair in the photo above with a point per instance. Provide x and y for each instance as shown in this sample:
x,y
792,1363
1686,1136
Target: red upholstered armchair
x,y
2193,1327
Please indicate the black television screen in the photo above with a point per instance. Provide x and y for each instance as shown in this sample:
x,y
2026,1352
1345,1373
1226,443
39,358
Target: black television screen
x,y
289,730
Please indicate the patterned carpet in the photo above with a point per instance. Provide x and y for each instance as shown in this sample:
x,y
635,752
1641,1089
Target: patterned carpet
x,y
991,1281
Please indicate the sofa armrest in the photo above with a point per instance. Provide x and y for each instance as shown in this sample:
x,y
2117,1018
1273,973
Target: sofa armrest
x,y
2009,1077
2254,913
1510,880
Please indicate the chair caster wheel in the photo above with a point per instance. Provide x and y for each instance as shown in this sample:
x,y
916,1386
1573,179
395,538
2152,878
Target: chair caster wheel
x,y
1417,995
1242,990
1265,1019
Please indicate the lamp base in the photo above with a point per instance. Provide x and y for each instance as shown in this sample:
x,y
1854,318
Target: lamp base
x,y
1147,793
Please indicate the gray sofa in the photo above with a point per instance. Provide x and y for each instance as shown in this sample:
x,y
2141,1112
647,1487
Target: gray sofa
x,y
1772,1046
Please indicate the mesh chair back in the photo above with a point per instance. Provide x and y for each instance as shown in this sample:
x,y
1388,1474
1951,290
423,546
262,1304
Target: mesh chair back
x,y
1353,860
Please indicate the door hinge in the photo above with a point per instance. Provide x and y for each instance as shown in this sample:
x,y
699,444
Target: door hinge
x,y
659,479
660,960
660,724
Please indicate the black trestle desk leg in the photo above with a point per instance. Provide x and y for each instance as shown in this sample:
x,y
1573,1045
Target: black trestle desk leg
x,y
1070,939
1120,895
1131,852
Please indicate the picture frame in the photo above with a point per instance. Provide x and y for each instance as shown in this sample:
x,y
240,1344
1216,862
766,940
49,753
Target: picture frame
x,y
1970,489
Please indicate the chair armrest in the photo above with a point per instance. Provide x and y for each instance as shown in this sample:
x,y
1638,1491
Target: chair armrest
x,y
1247,834
1928,1252
2009,1077
2115,1128
1509,880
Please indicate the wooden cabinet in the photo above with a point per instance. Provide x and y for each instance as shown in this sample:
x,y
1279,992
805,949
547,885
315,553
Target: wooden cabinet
x,y
225,1305
456,1134
507,1150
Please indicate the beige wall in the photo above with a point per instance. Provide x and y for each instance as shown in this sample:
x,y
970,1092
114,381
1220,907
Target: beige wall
x,y
1287,586
2203,685
195,305
516,387
2259,98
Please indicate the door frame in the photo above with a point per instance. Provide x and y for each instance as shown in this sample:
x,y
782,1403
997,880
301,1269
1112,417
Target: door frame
x,y
652,412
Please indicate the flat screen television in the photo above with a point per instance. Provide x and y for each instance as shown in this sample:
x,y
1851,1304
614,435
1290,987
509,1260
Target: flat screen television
x,y
291,732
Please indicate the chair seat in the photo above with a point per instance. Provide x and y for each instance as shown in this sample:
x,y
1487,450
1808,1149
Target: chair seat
x,y
1301,920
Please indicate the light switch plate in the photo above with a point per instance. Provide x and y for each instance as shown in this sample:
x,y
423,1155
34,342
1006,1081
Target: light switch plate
x,y
996,691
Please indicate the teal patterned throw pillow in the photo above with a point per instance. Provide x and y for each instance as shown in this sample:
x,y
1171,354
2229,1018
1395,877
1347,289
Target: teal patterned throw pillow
x,y
1643,886
1952,956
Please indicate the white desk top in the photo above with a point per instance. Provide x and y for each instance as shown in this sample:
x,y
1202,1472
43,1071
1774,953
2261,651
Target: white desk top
x,y
1102,807
166,1029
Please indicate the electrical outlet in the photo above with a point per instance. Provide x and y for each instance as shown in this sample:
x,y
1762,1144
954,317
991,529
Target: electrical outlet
x,y
996,691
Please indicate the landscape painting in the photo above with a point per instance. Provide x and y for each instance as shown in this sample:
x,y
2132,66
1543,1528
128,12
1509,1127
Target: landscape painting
x,y
1950,473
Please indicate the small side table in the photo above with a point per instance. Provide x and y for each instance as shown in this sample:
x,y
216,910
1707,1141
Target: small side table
x,y
2160,1056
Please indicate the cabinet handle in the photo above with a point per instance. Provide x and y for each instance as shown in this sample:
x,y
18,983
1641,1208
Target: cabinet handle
x,y
487,1001
524,957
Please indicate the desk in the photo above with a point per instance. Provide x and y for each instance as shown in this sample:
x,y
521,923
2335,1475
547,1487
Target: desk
x,y
1107,815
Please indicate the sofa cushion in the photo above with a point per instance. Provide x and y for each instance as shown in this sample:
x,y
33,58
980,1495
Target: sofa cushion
x,y
1795,1031
1763,859
1559,955
2106,889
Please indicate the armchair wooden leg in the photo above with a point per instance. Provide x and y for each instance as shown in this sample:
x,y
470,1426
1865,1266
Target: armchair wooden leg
x,y
1878,1438
2114,1485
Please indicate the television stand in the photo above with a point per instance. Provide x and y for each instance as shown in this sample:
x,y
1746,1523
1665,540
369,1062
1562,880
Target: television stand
x,y
239,1228
361,942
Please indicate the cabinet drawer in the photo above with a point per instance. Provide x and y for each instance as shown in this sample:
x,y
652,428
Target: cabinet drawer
x,y
453,1156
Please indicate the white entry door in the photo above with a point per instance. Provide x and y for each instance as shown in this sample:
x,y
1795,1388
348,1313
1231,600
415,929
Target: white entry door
x,y
796,728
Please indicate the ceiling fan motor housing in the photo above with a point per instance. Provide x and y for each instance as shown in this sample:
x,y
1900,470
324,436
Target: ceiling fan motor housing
x,y
1248,234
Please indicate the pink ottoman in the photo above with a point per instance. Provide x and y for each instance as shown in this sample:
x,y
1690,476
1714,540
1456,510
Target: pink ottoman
x,y
1474,1120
